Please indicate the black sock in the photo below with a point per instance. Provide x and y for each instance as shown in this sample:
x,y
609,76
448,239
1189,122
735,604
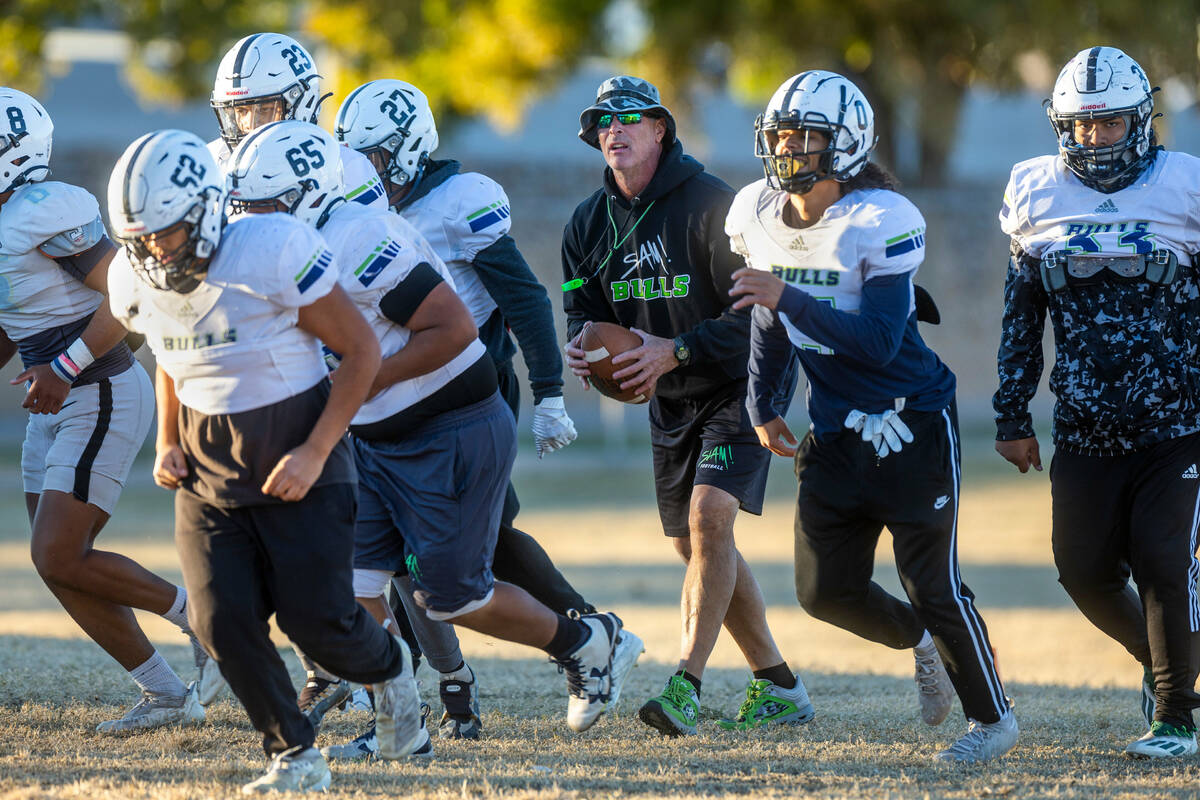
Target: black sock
x,y
780,675
690,678
567,637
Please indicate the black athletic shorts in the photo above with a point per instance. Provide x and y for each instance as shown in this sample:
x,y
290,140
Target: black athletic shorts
x,y
705,443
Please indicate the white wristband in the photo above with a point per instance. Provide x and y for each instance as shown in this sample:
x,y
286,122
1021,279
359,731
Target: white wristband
x,y
72,361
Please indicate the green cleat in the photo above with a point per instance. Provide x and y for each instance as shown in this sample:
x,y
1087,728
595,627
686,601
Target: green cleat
x,y
767,703
675,711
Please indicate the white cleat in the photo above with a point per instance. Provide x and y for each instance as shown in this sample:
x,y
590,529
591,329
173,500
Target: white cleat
x,y
624,659
1163,740
589,671
301,769
934,689
209,680
157,711
398,721
982,741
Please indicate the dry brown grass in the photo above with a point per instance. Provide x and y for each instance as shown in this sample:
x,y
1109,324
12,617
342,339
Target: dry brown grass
x,y
1074,689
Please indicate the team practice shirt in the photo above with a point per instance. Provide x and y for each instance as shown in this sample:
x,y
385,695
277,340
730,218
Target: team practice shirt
x,y
232,344
461,216
1127,360
856,357
36,294
379,252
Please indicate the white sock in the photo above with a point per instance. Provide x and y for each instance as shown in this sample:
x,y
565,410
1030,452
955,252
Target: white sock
x,y
157,677
463,674
177,613
926,640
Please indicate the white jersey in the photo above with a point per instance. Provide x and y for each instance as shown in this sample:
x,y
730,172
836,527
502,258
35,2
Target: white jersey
x,y
1047,208
232,344
459,217
867,234
36,294
359,178
377,251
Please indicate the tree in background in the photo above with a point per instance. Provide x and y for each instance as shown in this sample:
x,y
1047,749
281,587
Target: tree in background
x,y
915,59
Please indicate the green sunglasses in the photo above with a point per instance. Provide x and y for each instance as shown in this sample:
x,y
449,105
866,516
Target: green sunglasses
x,y
630,118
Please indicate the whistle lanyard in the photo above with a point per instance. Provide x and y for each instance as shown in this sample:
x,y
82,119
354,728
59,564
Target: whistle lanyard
x,y
577,282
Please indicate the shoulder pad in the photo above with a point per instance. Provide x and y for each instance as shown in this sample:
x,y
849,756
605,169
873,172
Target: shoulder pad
x,y
360,180
37,212
476,212
746,206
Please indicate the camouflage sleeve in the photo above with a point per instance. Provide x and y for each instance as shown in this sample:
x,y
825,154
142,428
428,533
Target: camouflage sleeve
x,y
1020,360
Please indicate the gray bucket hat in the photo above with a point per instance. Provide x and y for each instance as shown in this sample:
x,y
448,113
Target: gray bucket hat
x,y
620,94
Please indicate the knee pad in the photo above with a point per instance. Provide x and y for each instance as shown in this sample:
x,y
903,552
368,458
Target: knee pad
x,y
370,583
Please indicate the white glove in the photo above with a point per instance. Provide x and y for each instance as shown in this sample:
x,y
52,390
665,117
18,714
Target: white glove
x,y
552,428
886,432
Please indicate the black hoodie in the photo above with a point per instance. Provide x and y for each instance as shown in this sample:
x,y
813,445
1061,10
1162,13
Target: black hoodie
x,y
662,263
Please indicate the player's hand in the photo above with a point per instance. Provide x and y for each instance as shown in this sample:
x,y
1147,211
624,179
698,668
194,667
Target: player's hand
x,y
46,393
295,473
170,466
777,437
1021,453
576,358
756,287
552,428
655,358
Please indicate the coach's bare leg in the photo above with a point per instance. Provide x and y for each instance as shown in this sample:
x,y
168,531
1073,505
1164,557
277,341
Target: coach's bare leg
x,y
512,615
719,588
96,588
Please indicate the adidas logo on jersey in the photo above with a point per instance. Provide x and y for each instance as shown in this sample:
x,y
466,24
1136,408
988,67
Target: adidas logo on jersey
x,y
1191,473
798,244
1107,207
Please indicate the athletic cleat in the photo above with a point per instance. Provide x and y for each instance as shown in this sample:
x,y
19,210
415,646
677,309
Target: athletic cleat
x,y
209,680
1164,740
320,696
460,704
301,769
157,711
399,723
676,711
1149,701
982,741
366,746
589,671
624,659
767,703
934,689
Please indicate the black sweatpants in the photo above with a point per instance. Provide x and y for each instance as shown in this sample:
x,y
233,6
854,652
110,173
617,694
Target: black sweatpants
x,y
846,497
1136,514
519,559
240,565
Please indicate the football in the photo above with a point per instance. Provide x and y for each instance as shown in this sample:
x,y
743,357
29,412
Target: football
x,y
600,342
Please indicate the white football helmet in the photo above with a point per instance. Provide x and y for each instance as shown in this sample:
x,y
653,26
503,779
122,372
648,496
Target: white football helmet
x,y
823,101
263,78
167,181
1098,83
25,137
289,166
390,122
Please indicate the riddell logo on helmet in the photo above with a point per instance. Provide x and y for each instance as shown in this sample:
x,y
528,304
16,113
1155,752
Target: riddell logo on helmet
x,y
237,92
1093,106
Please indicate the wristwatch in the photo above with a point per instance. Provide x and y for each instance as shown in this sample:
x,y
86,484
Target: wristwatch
x,y
683,353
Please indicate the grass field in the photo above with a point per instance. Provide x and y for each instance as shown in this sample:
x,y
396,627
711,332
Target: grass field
x,y
1075,691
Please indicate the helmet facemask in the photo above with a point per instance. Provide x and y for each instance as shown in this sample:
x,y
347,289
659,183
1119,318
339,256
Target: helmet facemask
x,y
784,170
184,267
1111,167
